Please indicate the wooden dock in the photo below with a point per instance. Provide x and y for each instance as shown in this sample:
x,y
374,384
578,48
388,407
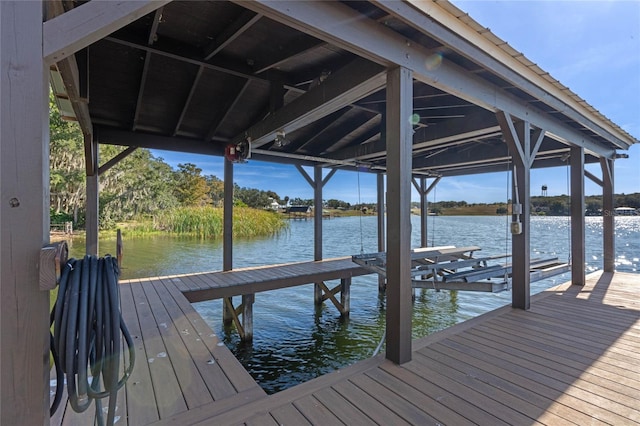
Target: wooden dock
x,y
572,359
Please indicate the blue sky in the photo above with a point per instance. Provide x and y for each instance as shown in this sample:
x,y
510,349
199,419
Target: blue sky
x,y
592,47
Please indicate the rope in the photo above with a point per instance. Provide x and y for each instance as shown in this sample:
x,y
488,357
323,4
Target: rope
x,y
377,350
87,333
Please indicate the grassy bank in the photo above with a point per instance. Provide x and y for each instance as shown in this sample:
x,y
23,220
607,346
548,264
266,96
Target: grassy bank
x,y
207,222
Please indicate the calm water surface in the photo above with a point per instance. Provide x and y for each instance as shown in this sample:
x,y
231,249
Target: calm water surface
x,y
295,342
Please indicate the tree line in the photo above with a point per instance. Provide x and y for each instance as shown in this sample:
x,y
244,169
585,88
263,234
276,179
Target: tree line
x,y
558,205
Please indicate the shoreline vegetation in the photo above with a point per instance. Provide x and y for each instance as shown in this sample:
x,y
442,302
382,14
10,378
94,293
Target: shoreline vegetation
x,y
207,221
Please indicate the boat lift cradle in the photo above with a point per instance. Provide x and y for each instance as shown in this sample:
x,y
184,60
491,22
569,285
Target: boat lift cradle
x,y
455,268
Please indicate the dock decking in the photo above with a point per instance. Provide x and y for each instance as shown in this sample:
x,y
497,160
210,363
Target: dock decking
x,y
572,359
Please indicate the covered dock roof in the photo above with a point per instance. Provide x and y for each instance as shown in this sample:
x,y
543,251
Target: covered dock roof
x,y
198,76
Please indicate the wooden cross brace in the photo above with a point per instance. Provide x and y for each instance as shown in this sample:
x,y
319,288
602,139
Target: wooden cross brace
x,y
344,288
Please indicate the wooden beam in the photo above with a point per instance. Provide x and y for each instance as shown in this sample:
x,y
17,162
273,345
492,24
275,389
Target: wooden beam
x,y
462,154
143,82
331,138
111,136
593,178
608,216
192,92
238,26
300,46
153,32
226,111
374,41
328,177
315,129
187,54
577,216
399,135
355,81
115,160
76,29
476,125
306,176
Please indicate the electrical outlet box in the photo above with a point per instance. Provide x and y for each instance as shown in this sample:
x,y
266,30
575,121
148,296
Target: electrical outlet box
x,y
516,228
516,209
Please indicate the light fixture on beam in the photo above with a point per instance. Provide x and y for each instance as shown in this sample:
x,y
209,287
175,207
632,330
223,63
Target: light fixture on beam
x,y
281,139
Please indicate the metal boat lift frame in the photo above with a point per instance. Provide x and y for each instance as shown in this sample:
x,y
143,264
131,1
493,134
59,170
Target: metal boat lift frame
x,y
455,268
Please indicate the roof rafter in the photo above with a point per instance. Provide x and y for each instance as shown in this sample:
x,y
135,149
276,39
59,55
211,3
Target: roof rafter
x,y
239,25
356,80
226,110
289,52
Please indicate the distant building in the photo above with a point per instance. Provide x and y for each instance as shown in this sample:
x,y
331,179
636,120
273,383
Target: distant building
x,y
626,211
299,211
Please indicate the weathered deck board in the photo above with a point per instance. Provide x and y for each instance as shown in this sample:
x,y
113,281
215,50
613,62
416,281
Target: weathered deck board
x,y
571,359
215,285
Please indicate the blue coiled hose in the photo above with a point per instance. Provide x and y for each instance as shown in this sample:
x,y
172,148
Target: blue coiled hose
x,y
87,332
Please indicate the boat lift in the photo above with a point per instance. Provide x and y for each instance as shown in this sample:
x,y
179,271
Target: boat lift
x,y
456,268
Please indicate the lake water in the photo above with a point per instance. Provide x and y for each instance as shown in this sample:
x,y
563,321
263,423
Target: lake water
x,y
294,342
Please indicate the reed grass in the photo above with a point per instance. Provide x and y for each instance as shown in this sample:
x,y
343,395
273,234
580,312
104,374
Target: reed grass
x,y
207,222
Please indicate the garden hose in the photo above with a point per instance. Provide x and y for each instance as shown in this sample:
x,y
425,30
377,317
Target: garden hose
x,y
87,333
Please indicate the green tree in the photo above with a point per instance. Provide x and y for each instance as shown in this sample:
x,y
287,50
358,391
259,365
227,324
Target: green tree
x,y
216,190
191,189
254,198
301,202
66,160
138,185
337,204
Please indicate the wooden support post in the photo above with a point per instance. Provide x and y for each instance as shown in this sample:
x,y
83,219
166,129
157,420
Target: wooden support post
x,y
317,227
247,316
227,237
24,215
382,282
119,248
93,195
423,191
424,212
518,136
399,141
608,217
577,216
345,296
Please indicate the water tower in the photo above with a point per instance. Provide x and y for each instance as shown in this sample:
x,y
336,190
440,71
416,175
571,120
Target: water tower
x,y
544,190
